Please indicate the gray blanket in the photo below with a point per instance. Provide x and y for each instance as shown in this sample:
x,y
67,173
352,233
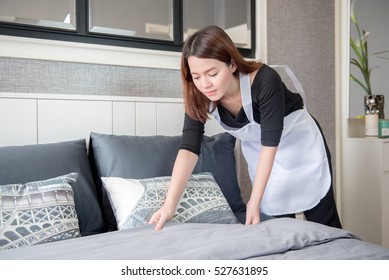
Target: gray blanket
x,y
273,239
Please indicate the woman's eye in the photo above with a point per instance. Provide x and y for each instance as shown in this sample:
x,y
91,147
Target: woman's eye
x,y
213,74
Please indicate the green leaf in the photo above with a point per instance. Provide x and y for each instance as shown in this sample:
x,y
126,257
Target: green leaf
x,y
381,52
357,63
356,50
353,15
353,78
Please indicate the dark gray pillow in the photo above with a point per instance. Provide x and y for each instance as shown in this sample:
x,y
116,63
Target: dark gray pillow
x,y
21,164
139,157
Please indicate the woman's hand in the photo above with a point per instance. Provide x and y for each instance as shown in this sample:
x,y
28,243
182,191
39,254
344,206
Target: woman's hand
x,y
162,216
252,213
183,167
262,174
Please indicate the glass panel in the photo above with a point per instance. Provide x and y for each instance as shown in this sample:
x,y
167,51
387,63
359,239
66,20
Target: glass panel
x,y
49,13
137,18
231,15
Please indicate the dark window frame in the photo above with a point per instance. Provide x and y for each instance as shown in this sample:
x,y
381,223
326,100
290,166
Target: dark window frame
x,y
82,35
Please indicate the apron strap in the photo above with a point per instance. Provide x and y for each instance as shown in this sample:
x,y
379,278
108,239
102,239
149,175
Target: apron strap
x,y
294,80
245,92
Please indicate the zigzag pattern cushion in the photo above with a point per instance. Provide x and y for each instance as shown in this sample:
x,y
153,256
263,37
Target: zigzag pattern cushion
x,y
135,201
38,212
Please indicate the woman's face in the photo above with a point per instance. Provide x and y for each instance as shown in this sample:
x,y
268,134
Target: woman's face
x,y
212,77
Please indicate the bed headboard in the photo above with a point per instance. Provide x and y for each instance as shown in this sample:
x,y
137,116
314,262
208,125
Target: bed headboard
x,y
46,118
43,118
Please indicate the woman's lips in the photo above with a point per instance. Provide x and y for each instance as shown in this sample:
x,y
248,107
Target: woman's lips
x,y
210,93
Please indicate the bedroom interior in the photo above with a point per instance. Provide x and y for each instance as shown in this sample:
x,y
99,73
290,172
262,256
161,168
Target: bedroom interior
x,y
110,97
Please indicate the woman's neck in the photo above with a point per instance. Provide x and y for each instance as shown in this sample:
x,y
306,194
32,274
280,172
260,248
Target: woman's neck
x,y
232,100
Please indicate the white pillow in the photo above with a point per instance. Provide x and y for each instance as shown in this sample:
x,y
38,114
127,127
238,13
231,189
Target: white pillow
x,y
135,201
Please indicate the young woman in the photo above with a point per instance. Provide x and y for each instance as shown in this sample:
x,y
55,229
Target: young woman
x,y
288,160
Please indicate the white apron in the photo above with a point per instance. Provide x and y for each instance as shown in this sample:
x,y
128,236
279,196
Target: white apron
x,y
300,176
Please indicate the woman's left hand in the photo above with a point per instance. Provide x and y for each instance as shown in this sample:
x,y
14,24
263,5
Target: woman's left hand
x,y
252,213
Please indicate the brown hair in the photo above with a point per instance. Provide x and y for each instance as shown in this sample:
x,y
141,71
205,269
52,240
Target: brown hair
x,y
209,42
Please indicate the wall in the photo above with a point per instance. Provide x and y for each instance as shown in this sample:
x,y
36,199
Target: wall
x,y
373,17
300,34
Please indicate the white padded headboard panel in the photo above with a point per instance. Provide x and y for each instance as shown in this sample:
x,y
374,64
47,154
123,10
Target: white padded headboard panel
x,y
42,118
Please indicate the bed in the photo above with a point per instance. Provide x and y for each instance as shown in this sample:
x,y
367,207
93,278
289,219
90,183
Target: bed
x,y
90,199
275,239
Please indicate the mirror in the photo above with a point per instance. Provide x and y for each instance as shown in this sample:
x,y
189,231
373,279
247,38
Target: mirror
x,y
48,13
231,15
136,18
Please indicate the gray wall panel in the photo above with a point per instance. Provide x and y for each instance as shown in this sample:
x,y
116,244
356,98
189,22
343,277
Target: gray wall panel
x,y
301,34
55,77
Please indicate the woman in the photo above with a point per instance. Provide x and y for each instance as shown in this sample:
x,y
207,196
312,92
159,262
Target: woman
x,y
288,160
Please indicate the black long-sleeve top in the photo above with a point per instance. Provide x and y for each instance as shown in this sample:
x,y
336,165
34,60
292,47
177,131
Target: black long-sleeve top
x,y
271,101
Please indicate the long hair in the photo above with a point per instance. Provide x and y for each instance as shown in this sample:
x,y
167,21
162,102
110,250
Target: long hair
x,y
214,43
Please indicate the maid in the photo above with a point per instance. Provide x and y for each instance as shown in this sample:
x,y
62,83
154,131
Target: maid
x,y
288,159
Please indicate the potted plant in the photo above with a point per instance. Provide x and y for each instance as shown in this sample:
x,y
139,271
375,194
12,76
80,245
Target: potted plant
x,y
374,104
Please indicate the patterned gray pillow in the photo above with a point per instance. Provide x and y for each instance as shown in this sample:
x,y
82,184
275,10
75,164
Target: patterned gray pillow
x,y
38,212
127,156
135,201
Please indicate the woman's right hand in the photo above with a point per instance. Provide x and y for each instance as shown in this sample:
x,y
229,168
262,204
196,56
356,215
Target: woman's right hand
x,y
162,216
183,167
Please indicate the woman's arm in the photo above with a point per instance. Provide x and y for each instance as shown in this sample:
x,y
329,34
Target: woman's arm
x,y
262,174
183,168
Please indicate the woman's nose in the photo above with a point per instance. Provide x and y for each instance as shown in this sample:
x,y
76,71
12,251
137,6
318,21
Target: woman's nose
x,y
205,82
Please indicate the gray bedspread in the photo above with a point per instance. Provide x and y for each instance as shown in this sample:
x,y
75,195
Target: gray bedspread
x,y
273,239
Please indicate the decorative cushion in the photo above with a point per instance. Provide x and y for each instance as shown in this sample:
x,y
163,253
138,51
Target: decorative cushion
x,y
139,157
135,201
38,212
20,164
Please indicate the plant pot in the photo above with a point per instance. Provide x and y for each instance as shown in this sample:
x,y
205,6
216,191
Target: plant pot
x,y
375,104
371,125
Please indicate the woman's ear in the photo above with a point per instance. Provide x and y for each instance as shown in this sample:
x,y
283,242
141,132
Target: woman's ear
x,y
233,66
